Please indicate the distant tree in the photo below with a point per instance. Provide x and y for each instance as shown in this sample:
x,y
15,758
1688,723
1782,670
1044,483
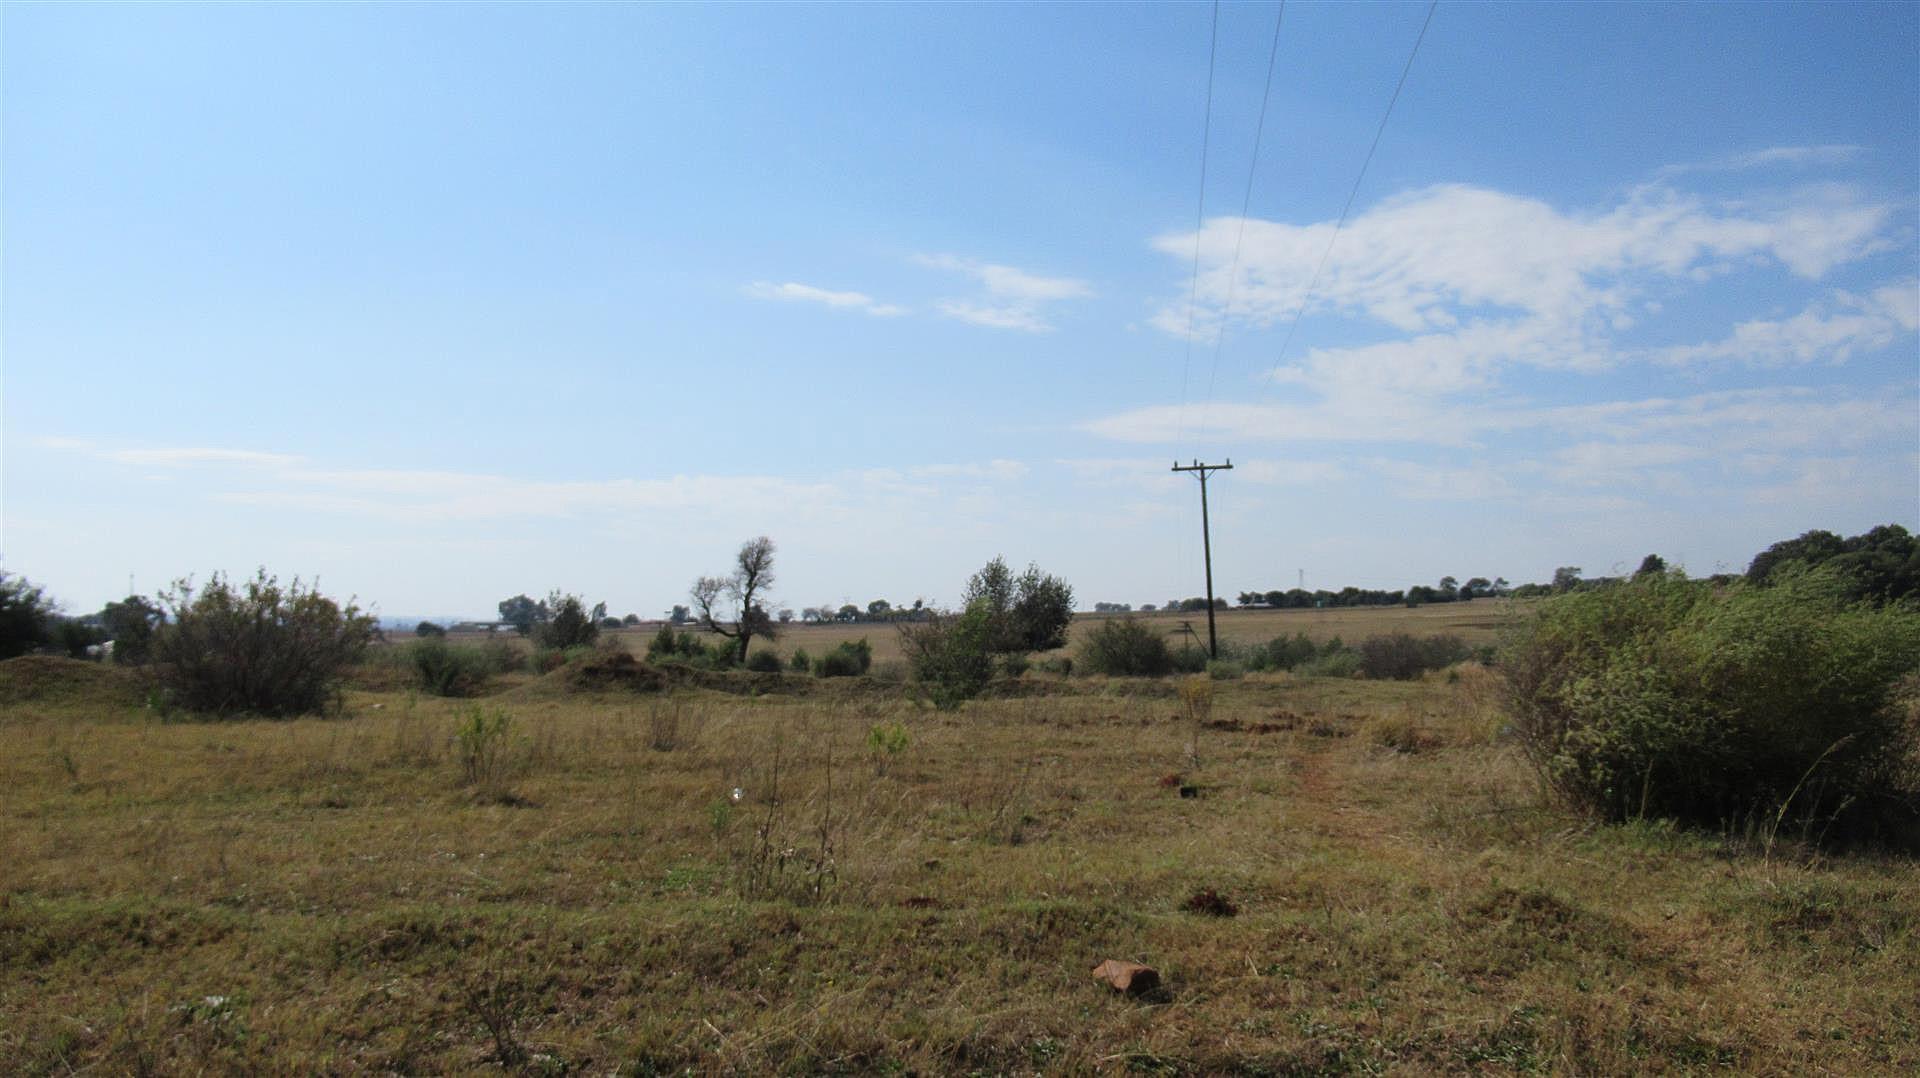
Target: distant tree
x,y
611,623
1651,565
786,615
680,615
745,590
130,624
26,616
1027,613
879,609
1477,587
1566,578
571,624
425,628
1148,608
848,612
523,613
1449,585
1883,563
630,620
1500,585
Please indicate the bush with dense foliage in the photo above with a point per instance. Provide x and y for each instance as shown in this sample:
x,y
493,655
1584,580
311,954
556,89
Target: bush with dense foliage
x,y
26,616
951,655
1125,647
765,661
428,628
444,669
258,647
130,624
1029,612
848,659
1722,705
1402,656
571,624
1883,563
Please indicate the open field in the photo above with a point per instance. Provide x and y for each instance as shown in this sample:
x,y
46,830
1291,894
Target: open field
x,y
1477,622
333,895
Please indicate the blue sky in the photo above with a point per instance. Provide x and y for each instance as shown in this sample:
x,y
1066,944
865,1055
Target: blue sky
x,y
444,303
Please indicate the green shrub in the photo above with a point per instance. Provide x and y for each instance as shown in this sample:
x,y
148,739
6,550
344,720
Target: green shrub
x,y
848,659
765,661
1015,664
1285,653
801,662
1061,665
445,670
1341,663
952,656
1126,647
1402,656
428,628
669,646
260,648
1722,705
571,624
1190,660
26,616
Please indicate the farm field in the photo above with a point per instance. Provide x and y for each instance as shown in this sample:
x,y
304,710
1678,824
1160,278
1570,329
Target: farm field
x,y
731,883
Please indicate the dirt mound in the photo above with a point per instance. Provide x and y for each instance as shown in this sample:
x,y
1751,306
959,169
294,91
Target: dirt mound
x,y
615,670
56,678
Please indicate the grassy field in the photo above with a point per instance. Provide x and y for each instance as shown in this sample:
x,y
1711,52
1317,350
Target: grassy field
x,y
1477,622
342,895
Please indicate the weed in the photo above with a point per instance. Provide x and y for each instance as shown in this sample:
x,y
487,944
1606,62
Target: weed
x,y
490,755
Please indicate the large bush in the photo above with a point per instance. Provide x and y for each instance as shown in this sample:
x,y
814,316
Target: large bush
x,y
1721,705
951,655
1126,647
1402,656
571,625
259,648
26,616
849,658
445,669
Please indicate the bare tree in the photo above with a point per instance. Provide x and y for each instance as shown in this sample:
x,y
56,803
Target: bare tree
x,y
745,589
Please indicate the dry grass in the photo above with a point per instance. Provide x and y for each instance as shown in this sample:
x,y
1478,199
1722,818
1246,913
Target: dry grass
x,y
332,896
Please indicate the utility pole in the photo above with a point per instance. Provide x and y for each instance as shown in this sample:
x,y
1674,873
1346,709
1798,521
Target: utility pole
x,y
1206,540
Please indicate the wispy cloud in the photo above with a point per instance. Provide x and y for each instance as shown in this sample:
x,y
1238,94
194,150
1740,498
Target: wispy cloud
x,y
806,293
1771,157
421,496
1832,331
189,457
1014,297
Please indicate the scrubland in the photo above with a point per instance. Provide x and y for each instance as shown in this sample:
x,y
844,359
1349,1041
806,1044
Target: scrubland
x,y
768,874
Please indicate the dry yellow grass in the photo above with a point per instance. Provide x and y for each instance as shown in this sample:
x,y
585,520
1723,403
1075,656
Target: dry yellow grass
x,y
328,895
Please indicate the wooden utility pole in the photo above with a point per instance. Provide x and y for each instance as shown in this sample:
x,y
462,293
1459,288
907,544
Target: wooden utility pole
x,y
1206,540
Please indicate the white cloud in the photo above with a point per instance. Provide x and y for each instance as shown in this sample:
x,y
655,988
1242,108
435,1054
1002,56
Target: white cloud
x,y
188,457
1832,331
1428,259
1014,297
1772,156
806,293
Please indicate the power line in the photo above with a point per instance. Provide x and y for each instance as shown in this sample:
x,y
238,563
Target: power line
x,y
1200,216
1348,208
1246,201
